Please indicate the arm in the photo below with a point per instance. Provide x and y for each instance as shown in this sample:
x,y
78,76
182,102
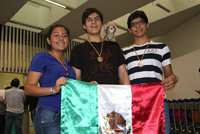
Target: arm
x,y
31,87
170,80
5,102
123,75
4,99
78,75
25,103
77,72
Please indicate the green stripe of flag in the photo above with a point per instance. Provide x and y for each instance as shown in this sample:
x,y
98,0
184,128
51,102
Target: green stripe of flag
x,y
79,108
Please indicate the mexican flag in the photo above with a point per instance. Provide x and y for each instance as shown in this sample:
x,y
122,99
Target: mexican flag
x,y
112,109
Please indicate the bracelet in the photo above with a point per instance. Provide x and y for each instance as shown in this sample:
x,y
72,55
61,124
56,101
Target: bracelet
x,y
52,91
176,78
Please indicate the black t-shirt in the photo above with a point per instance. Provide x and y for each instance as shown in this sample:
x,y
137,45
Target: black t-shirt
x,y
84,57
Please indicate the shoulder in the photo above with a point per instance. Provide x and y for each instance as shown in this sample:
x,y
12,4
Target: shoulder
x,y
111,43
9,90
163,48
127,49
157,44
78,49
81,45
41,56
21,91
2,90
39,61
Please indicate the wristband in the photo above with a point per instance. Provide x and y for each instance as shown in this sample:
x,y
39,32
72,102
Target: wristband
x,y
52,91
177,78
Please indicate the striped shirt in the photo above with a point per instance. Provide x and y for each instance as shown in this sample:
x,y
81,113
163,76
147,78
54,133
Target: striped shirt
x,y
15,100
156,56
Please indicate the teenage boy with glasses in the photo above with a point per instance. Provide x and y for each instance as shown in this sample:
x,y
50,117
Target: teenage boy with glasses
x,y
147,60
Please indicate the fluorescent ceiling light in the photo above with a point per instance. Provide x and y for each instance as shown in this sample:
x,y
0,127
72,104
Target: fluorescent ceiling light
x,y
163,8
55,3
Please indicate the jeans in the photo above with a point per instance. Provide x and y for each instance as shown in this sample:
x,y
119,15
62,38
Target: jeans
x,y
2,124
47,121
10,117
166,112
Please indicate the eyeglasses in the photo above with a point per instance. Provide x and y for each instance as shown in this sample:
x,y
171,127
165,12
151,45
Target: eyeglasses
x,y
134,24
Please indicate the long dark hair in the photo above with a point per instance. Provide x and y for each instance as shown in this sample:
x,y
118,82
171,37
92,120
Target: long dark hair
x,y
48,35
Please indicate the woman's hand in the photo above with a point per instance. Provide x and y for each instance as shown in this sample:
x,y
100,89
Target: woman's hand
x,y
60,81
94,82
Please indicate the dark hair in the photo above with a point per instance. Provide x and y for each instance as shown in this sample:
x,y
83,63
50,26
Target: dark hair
x,y
15,82
48,35
136,14
21,87
89,11
8,87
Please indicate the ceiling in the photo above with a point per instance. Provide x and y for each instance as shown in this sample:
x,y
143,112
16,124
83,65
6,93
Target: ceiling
x,y
38,15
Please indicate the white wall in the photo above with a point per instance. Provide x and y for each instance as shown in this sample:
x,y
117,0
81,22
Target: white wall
x,y
184,43
186,67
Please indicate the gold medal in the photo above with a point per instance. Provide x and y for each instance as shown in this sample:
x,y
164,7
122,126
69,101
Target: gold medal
x,y
100,59
140,64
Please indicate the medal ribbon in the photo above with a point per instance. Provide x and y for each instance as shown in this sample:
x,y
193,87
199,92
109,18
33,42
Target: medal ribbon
x,y
142,55
96,49
64,65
